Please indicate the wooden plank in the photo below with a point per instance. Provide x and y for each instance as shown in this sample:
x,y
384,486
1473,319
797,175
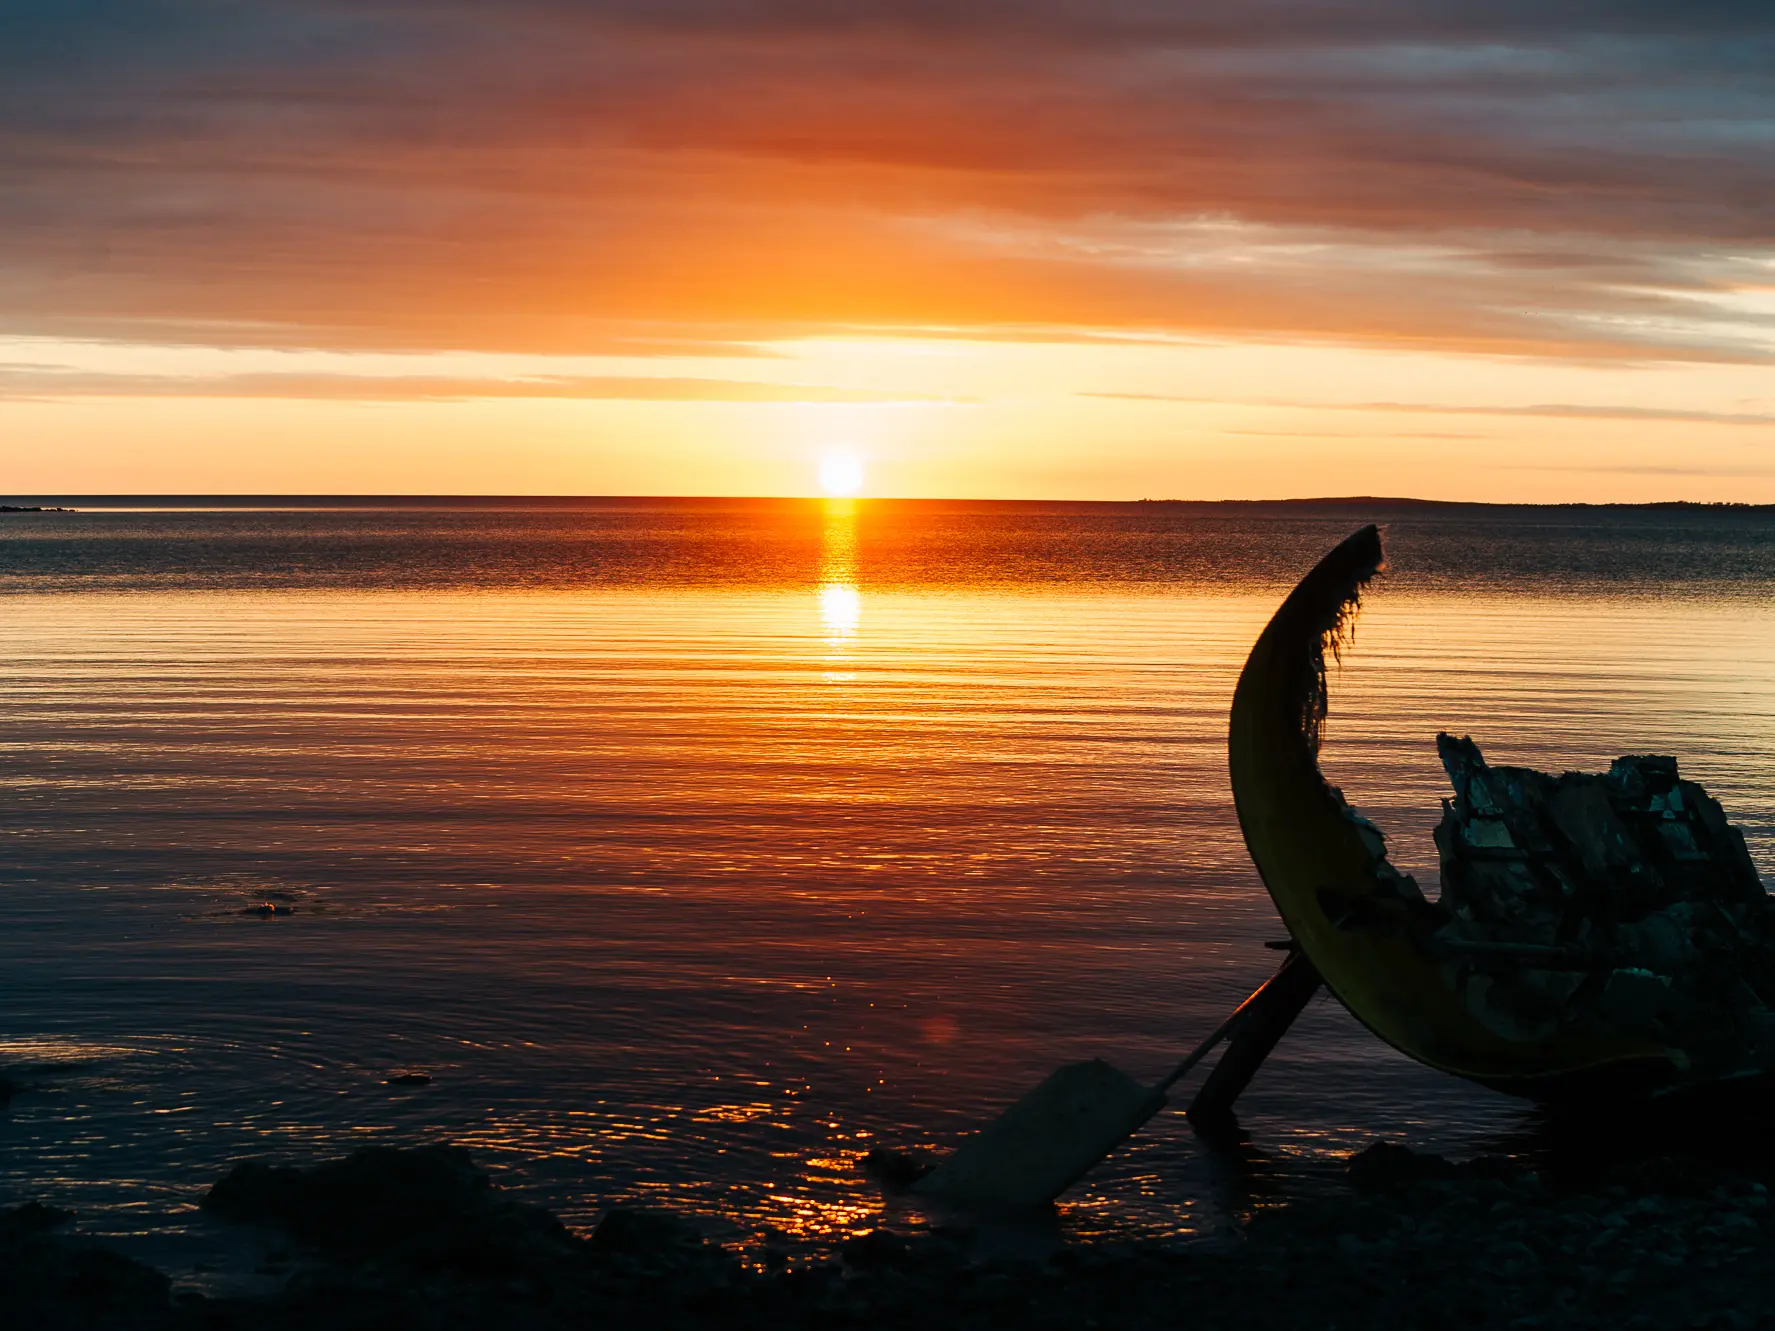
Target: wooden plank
x,y
1263,1021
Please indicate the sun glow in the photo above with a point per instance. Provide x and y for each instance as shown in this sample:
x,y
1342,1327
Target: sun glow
x,y
841,607
841,474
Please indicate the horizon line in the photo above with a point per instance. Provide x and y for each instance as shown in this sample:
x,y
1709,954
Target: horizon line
x,y
270,500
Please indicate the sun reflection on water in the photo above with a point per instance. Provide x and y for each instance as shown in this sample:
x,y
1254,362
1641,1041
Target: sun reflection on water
x,y
831,1199
841,602
841,607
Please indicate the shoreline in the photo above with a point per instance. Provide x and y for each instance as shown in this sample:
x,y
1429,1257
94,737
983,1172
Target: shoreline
x,y
420,1237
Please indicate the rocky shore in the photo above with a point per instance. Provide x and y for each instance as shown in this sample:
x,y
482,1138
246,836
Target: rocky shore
x,y
419,1238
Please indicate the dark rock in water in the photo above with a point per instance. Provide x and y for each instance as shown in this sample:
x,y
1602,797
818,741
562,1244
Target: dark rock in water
x,y
1624,903
49,1283
896,1169
1388,1165
35,1218
634,1229
1385,1165
875,1250
409,1079
267,909
421,1207
8,1089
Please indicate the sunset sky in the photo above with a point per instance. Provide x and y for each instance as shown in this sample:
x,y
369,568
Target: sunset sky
x,y
1478,249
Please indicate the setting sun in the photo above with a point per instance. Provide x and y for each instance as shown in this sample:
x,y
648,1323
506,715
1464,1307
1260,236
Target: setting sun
x,y
841,474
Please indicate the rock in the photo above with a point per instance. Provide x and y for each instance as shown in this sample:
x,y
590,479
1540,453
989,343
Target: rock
x,y
420,1207
34,1218
1385,1165
874,1250
642,1230
112,1284
47,1282
896,1169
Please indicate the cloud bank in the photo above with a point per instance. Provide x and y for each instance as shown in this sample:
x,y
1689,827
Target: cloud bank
x,y
1589,180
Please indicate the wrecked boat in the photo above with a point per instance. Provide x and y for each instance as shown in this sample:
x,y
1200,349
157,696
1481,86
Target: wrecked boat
x,y
1596,935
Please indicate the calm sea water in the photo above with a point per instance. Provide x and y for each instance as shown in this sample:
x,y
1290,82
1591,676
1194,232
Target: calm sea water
x,y
695,848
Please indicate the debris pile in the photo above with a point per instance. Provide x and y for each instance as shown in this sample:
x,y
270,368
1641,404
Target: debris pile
x,y
1623,902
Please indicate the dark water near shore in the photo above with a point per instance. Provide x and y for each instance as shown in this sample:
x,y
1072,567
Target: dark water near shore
x,y
694,848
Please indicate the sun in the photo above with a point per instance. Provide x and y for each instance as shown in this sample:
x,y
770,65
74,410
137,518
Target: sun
x,y
841,474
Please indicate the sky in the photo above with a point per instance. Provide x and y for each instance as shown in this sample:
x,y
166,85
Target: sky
x,y
1461,249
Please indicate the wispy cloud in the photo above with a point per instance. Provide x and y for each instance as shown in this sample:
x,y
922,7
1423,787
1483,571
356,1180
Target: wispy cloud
x,y
48,382
1350,434
1556,410
1577,411
1632,469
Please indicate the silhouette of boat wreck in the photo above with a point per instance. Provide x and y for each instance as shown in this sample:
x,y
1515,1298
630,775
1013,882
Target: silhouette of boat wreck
x,y
1598,937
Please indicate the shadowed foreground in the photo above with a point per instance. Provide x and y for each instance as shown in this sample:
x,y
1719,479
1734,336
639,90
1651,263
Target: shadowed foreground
x,y
420,1238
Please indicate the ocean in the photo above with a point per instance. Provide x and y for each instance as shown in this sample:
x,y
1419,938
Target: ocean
x,y
693,848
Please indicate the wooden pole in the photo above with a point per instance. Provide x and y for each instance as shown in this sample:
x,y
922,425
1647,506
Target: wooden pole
x,y
1263,1021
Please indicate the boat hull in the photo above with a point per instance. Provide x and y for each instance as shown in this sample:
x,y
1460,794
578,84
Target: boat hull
x,y
1357,919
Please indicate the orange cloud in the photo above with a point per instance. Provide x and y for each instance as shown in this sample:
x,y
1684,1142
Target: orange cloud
x,y
1495,176
30,381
